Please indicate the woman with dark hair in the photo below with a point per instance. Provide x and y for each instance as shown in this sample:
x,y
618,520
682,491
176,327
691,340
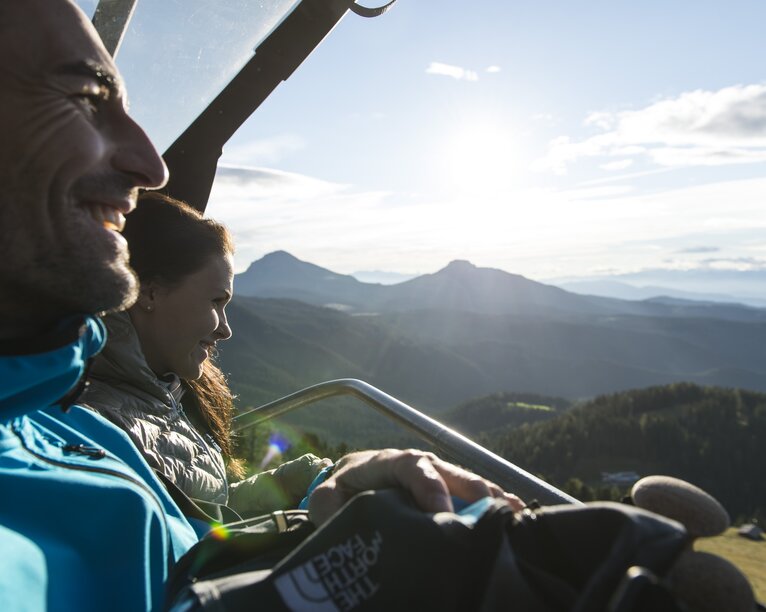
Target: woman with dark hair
x,y
156,378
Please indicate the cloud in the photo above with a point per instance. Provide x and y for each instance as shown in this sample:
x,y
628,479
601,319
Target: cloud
x,y
595,193
492,69
268,210
263,151
734,263
697,128
699,249
546,119
620,164
538,232
264,183
456,72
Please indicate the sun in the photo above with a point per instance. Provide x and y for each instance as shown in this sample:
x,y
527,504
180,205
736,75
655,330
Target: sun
x,y
480,157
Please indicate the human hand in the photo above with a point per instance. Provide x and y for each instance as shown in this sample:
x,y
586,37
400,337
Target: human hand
x,y
430,480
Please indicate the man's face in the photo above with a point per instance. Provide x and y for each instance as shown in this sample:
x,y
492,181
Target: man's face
x,y
70,163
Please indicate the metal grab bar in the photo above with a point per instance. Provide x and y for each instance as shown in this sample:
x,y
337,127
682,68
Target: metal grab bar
x,y
457,447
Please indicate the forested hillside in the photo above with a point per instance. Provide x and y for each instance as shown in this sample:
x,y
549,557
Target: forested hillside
x,y
501,412
436,359
712,437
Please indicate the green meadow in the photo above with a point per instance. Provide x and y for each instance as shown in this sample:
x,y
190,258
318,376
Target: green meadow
x,y
748,555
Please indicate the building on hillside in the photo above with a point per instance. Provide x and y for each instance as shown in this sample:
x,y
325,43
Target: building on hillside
x,y
751,532
619,478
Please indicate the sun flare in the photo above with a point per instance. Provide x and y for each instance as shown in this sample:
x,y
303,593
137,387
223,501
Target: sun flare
x,y
481,158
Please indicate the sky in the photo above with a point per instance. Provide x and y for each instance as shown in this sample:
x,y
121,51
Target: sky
x,y
554,139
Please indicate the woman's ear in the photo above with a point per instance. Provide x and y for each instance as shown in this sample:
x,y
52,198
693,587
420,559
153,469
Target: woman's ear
x,y
146,297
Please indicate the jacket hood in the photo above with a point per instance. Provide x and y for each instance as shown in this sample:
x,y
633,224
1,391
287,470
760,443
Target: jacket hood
x,y
36,380
122,363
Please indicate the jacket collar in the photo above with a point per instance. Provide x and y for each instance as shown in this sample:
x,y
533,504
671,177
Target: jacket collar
x,y
122,362
38,373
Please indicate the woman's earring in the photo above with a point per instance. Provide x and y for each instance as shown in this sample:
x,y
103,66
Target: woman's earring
x,y
149,308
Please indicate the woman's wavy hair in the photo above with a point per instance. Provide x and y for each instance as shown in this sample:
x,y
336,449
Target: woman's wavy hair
x,y
168,241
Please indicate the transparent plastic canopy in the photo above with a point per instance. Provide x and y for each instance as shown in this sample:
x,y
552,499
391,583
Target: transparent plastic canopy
x,y
187,51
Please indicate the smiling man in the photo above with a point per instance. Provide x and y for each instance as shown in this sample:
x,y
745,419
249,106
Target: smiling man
x,y
84,523
70,163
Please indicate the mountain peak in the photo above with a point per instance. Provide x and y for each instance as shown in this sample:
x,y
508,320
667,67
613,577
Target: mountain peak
x,y
281,274
459,265
279,255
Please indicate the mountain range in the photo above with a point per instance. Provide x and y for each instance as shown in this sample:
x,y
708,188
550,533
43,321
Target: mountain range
x,y
441,339
709,285
460,286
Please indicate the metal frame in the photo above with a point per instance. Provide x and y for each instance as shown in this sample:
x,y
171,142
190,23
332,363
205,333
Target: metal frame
x,y
455,446
111,20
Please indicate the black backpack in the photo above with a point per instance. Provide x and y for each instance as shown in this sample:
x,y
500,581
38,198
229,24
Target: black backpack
x,y
381,553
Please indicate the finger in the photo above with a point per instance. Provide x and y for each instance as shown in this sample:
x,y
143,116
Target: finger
x,y
322,503
471,487
464,484
416,472
514,501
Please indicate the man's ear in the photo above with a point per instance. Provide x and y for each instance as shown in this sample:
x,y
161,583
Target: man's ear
x,y
146,297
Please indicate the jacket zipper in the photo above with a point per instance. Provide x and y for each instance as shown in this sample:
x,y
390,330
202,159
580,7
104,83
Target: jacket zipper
x,y
179,409
91,451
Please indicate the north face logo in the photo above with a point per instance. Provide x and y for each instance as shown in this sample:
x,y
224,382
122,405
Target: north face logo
x,y
338,579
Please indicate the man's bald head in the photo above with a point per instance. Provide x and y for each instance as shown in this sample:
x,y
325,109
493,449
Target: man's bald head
x,y
71,161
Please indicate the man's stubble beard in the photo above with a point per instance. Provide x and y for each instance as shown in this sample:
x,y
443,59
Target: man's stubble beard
x,y
55,259
75,274
98,286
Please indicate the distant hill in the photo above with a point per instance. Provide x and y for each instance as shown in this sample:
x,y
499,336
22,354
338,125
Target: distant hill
x,y
280,346
625,291
499,412
715,285
463,332
435,360
712,437
459,286
280,275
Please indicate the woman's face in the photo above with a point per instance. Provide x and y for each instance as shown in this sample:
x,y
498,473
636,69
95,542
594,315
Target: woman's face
x,y
179,327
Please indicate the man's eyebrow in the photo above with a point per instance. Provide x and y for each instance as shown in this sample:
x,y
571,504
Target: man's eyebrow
x,y
94,70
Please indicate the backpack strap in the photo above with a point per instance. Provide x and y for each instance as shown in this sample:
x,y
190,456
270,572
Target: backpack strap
x,y
641,591
209,512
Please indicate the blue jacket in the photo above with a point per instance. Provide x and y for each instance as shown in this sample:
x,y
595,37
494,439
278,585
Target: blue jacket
x,y
84,523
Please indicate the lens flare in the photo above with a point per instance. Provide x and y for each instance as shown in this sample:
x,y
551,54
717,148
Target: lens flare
x,y
278,444
219,532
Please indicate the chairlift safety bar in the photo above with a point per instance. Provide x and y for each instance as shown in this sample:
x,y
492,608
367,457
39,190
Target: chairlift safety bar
x,y
457,447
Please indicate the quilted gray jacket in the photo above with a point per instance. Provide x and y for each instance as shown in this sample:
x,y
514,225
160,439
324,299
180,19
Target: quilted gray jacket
x,y
125,390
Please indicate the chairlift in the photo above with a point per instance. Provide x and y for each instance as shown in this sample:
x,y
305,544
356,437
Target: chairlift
x,y
286,32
